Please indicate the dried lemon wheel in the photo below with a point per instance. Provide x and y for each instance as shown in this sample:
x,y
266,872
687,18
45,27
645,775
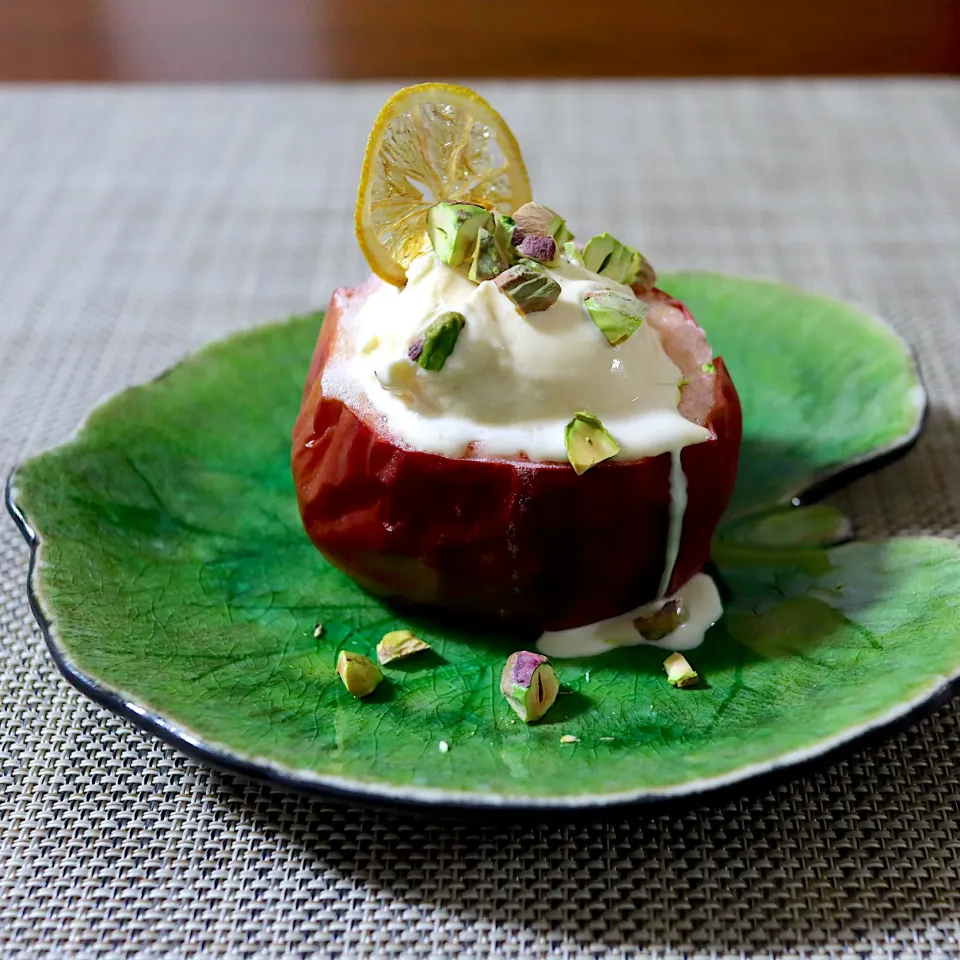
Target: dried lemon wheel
x,y
431,142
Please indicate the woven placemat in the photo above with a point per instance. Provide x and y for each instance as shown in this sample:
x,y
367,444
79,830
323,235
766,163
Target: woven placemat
x,y
137,224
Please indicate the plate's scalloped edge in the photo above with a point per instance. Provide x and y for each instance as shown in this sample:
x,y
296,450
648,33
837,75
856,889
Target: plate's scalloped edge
x,y
760,776
827,481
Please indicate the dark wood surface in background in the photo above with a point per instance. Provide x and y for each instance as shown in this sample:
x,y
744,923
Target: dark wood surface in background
x,y
157,40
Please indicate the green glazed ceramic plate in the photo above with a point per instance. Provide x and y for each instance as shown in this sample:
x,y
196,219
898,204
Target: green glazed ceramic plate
x,y
174,583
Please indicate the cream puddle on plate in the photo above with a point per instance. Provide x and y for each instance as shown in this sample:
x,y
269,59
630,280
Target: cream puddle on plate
x,y
699,597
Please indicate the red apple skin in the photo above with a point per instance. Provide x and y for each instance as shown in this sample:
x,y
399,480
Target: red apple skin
x,y
527,543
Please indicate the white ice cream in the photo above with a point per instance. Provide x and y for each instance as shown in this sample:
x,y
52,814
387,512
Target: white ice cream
x,y
513,382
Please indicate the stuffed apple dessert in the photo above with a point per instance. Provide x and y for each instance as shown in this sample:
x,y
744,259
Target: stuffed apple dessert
x,y
503,421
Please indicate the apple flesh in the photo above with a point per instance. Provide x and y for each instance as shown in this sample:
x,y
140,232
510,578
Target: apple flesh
x,y
519,541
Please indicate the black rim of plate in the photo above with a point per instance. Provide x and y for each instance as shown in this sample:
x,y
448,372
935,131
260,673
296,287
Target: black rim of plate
x,y
375,794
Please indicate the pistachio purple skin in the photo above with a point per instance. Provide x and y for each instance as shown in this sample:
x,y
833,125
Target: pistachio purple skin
x,y
543,249
524,666
416,348
517,237
646,279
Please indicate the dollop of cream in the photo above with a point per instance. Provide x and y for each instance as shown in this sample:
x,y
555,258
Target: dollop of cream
x,y
513,382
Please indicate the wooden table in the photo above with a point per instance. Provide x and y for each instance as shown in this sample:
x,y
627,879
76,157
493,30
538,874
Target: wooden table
x,y
301,39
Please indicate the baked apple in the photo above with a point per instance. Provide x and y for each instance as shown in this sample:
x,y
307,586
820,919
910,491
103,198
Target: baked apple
x,y
518,535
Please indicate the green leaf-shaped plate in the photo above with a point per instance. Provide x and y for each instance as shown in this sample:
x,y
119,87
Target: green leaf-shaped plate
x,y
175,585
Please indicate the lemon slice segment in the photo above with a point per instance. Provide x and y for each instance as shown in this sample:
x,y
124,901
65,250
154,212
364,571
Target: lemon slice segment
x,y
431,142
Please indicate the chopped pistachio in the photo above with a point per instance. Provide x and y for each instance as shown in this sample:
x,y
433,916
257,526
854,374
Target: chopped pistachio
x,y
507,234
359,675
569,738
623,265
371,344
679,671
587,442
606,255
598,250
537,220
453,229
617,316
708,368
318,631
683,382
661,623
529,684
438,340
399,644
541,249
488,259
572,253
646,278
534,218
529,286
561,232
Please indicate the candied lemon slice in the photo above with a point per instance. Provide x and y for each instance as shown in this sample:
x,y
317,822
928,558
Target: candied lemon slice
x,y
431,142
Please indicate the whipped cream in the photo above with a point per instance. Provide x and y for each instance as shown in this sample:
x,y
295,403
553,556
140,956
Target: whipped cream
x,y
513,382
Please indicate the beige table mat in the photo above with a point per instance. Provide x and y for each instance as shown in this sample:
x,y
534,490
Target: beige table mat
x,y
137,224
